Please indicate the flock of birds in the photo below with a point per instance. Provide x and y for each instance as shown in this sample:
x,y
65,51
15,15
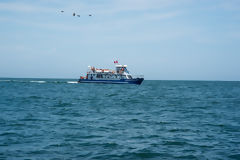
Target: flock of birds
x,y
74,14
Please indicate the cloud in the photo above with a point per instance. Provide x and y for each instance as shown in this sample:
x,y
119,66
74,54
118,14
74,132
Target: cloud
x,y
119,24
230,5
233,5
106,7
124,28
161,16
115,6
23,7
234,34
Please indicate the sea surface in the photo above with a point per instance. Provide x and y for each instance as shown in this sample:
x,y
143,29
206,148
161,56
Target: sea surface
x,y
60,119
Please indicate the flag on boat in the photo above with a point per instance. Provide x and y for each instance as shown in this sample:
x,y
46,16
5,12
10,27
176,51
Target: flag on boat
x,y
115,62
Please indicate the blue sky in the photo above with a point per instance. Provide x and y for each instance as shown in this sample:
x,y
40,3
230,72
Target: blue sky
x,y
162,39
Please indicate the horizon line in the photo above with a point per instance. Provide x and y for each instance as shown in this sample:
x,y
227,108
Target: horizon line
x,y
144,79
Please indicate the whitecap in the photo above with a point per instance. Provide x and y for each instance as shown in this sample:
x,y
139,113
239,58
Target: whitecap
x,y
5,80
72,82
38,81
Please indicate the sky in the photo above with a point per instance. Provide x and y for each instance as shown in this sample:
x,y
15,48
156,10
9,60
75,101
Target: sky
x,y
160,39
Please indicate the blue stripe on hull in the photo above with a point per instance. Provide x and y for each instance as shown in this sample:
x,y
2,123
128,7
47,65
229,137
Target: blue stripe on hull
x,y
122,81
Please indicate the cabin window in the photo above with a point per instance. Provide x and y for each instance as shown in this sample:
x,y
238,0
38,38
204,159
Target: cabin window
x,y
99,76
123,77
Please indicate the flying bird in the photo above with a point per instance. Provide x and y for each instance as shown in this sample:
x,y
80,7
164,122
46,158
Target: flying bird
x,y
90,15
74,14
62,11
78,15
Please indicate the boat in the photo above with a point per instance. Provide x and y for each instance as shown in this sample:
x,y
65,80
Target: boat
x,y
120,75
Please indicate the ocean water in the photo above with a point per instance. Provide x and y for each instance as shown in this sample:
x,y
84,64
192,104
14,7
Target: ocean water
x,y
60,119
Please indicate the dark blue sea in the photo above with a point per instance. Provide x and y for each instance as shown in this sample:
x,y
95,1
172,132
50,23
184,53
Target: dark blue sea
x,y
60,119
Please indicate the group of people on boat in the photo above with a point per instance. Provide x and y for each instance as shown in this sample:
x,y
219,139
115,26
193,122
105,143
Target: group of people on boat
x,y
120,75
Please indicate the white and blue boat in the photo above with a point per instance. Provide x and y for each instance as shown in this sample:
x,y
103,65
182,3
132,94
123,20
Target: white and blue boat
x,y
119,76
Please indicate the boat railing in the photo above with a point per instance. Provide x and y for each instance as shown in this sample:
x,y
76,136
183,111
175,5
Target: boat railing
x,y
137,76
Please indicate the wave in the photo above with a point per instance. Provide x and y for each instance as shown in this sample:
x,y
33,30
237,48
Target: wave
x,y
5,80
73,82
38,81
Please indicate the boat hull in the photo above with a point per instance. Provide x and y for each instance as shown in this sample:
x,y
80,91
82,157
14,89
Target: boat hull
x,y
121,81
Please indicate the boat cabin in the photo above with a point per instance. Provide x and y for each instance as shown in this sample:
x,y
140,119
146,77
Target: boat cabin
x,y
107,74
121,69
